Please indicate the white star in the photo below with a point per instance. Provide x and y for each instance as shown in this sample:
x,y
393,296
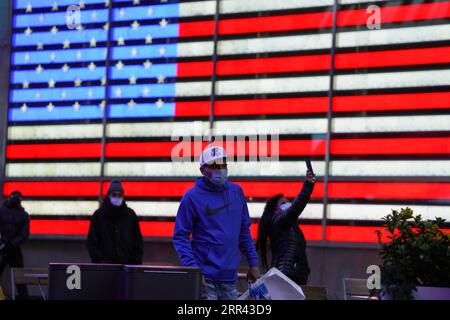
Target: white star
x,y
29,8
24,107
51,83
119,65
93,42
50,107
131,104
54,30
133,79
162,51
81,4
106,3
77,82
41,18
52,56
94,15
79,55
134,52
161,79
25,84
64,94
65,68
163,23
39,69
40,46
146,91
136,2
76,106
79,28
28,31
66,44
118,92
147,64
91,66
37,95
122,12
150,11
55,6
120,41
102,105
26,58
103,81
148,39
106,26
90,93
159,104
135,25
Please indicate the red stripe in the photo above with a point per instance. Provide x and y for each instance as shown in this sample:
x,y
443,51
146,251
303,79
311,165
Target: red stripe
x,y
58,151
254,106
165,229
53,188
259,189
379,102
405,101
317,62
315,20
389,190
390,146
255,148
148,228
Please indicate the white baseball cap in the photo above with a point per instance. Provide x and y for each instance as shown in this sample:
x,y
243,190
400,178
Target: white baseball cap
x,y
211,154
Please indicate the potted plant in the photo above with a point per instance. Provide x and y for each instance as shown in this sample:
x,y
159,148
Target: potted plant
x,y
415,257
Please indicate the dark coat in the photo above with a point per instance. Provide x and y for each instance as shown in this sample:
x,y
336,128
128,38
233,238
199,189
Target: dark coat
x,y
14,225
114,235
287,241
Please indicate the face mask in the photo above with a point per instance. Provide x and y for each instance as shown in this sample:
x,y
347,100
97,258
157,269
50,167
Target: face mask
x,y
285,206
219,177
117,202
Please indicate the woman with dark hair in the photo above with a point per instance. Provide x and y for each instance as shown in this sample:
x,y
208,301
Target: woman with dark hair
x,y
279,226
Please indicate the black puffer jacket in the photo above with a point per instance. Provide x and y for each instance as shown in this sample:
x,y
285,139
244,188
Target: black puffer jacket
x,y
114,235
287,241
14,225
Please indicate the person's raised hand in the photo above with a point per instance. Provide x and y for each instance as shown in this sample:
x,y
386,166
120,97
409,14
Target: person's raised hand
x,y
310,176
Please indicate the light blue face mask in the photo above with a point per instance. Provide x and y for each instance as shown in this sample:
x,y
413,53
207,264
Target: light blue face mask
x,y
285,206
117,202
218,177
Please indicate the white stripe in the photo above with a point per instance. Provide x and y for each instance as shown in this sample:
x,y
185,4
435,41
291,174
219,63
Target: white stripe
x,y
195,49
52,132
377,211
392,124
82,208
142,208
252,127
323,41
275,85
16,170
317,83
191,169
428,168
199,8
155,129
275,44
393,36
236,6
393,80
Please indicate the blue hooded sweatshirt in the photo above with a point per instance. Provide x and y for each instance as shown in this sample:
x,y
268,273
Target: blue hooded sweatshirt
x,y
219,222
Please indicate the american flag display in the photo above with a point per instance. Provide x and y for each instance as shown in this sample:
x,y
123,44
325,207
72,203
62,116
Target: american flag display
x,y
103,100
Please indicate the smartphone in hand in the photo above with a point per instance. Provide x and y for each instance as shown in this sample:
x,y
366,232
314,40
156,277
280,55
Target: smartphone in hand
x,y
308,165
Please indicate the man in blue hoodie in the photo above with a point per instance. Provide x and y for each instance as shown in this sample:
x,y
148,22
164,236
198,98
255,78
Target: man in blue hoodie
x,y
214,212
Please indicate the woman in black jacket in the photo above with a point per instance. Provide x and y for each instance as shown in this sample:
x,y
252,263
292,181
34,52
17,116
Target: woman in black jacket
x,y
279,225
